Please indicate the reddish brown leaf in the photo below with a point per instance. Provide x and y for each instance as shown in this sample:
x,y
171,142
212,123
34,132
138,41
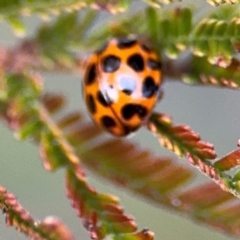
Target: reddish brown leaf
x,y
53,102
90,206
228,162
81,133
180,139
69,120
16,216
145,234
55,228
205,196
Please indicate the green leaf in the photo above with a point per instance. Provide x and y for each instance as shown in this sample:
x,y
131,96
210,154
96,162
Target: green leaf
x,y
203,72
175,27
17,25
218,2
53,39
52,7
209,40
152,18
159,3
58,39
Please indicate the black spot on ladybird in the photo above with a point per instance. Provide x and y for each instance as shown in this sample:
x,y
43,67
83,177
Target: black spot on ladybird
x,y
124,42
91,104
127,91
148,87
91,74
145,48
136,62
110,63
154,65
140,111
108,122
129,110
105,102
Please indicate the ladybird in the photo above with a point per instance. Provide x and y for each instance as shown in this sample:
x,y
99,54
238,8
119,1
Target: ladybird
x,y
121,84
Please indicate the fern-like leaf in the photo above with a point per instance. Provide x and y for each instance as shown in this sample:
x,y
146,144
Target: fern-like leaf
x,y
213,41
70,142
14,8
229,161
218,2
155,178
158,179
184,142
57,40
202,72
48,229
179,30
180,139
159,3
101,214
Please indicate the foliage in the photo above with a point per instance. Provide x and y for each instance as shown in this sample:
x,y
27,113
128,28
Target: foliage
x,y
211,42
18,217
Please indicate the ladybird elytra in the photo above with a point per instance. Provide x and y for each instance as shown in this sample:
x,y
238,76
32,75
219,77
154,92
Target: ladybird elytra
x,y
121,85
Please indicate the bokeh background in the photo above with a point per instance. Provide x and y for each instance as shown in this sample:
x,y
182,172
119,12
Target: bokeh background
x,y
213,112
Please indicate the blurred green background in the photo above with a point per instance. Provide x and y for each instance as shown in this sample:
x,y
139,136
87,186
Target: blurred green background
x,y
212,112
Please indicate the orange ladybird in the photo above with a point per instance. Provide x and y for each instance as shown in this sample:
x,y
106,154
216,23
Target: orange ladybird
x,y
121,85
